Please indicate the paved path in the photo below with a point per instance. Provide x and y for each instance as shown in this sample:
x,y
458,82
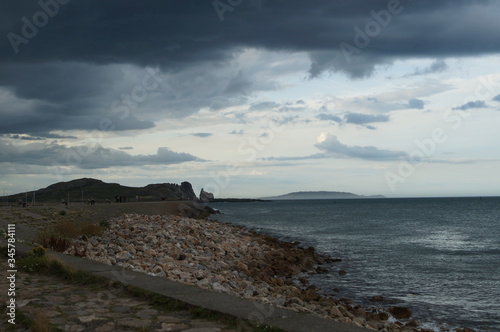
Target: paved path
x,y
72,307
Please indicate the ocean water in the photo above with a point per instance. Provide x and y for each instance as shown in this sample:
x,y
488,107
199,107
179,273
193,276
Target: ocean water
x,y
438,256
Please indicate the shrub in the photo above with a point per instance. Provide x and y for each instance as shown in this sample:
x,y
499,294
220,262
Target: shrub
x,y
104,223
74,229
62,212
32,264
53,240
39,251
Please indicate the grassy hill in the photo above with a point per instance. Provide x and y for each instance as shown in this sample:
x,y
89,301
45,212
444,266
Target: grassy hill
x,y
100,191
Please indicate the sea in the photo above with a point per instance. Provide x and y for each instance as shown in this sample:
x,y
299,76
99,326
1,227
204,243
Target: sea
x,y
440,257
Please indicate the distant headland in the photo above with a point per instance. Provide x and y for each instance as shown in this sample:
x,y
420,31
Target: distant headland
x,y
319,195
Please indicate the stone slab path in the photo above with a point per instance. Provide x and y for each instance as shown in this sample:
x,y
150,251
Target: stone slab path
x,y
73,307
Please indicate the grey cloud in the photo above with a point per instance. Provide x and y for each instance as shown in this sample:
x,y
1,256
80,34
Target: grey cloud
x,y
286,120
471,104
497,98
329,117
435,67
416,103
203,135
264,105
360,118
92,156
332,145
237,132
239,84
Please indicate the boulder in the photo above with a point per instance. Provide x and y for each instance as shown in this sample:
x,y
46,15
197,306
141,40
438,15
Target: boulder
x,y
400,312
377,299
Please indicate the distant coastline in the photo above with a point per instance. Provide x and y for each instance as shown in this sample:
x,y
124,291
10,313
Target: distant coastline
x,y
237,200
319,195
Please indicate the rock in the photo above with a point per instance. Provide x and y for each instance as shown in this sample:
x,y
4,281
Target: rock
x,y
219,288
319,269
400,312
181,257
187,192
124,256
303,281
377,299
251,291
413,323
360,312
206,196
342,272
383,316
278,302
335,312
310,295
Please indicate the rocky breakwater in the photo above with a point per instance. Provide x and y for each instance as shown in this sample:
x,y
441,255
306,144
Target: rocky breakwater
x,y
227,259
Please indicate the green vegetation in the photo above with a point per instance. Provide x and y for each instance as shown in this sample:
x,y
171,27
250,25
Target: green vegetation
x,y
59,237
21,320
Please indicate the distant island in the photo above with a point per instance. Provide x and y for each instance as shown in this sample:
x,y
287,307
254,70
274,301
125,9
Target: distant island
x,y
319,195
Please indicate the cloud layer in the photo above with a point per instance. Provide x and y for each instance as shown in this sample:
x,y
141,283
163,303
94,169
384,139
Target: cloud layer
x,y
91,156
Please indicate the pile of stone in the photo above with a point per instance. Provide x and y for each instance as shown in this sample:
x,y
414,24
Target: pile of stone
x,y
229,259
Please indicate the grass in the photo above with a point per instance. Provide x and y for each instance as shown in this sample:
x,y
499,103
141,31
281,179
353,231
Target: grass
x,y
41,323
59,237
21,320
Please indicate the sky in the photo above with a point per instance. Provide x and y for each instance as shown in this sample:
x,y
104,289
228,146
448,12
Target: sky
x,y
252,98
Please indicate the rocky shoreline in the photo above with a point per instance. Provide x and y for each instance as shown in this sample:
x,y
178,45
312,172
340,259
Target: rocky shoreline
x,y
231,259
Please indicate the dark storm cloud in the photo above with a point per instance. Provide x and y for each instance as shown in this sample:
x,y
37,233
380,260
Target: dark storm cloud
x,y
174,34
61,62
86,157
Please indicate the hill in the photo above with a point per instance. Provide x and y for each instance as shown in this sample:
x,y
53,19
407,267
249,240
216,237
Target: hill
x,y
100,191
319,195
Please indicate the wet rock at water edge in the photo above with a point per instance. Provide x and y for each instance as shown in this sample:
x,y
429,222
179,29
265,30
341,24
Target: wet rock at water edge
x,y
400,312
377,299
